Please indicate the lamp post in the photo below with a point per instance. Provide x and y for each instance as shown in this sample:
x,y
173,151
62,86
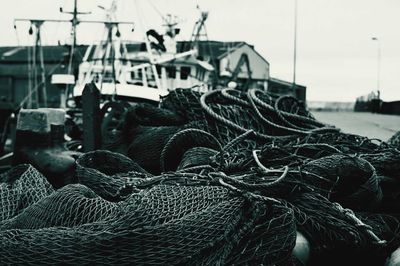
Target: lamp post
x,y
295,43
378,66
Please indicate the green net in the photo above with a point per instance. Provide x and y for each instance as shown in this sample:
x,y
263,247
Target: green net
x,y
21,187
162,224
222,178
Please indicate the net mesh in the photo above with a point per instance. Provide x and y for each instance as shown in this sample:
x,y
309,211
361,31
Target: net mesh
x,y
21,187
162,224
69,206
225,177
395,140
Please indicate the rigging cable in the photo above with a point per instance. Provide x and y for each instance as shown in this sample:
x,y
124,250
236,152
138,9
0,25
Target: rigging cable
x,y
34,89
213,63
148,47
30,63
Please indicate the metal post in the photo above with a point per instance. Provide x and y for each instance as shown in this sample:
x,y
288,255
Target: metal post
x,y
378,71
74,22
295,43
35,80
91,117
42,68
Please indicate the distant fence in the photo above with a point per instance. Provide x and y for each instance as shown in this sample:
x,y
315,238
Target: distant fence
x,y
330,106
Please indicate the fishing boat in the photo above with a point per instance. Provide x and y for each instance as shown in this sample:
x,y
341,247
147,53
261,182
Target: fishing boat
x,y
143,74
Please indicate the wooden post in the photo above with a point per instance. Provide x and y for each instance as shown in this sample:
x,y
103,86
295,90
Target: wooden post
x,y
91,118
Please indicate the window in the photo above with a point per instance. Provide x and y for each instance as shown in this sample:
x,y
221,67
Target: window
x,y
108,76
158,67
139,74
171,72
200,74
185,73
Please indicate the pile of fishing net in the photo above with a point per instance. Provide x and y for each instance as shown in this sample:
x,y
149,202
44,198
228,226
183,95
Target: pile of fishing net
x,y
226,177
395,139
169,219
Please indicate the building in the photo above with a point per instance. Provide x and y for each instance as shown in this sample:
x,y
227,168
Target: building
x,y
231,61
282,87
226,57
16,74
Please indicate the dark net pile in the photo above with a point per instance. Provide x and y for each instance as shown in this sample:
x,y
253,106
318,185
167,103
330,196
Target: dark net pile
x,y
20,188
168,221
222,178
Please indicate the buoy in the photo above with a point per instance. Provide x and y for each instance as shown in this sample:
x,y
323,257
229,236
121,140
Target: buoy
x,y
232,85
302,248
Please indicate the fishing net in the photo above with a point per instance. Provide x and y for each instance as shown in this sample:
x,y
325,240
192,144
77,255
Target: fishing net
x,y
21,187
395,140
351,181
106,173
196,157
225,114
356,184
146,130
69,206
224,178
147,146
171,220
220,116
387,162
142,133
228,113
387,226
296,151
180,144
337,235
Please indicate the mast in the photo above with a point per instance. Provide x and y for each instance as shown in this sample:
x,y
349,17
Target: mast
x,y
37,51
75,21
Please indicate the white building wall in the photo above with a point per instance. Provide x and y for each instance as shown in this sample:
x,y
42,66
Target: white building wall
x,y
258,65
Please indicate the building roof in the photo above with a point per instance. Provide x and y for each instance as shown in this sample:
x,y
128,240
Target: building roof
x,y
283,82
213,49
56,53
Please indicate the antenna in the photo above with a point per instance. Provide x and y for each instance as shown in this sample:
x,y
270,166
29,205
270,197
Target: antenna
x,y
74,21
199,29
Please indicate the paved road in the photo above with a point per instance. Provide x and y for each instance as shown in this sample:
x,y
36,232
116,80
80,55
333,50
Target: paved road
x,y
365,124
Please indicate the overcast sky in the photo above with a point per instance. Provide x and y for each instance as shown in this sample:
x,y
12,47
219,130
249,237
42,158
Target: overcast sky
x,y
336,58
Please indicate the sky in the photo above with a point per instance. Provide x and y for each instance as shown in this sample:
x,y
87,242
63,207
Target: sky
x,y
336,57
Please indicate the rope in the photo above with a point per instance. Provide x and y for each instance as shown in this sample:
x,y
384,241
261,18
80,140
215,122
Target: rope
x,y
225,121
253,96
172,141
36,87
229,145
318,145
287,129
350,214
249,186
247,193
195,168
225,93
265,169
282,117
